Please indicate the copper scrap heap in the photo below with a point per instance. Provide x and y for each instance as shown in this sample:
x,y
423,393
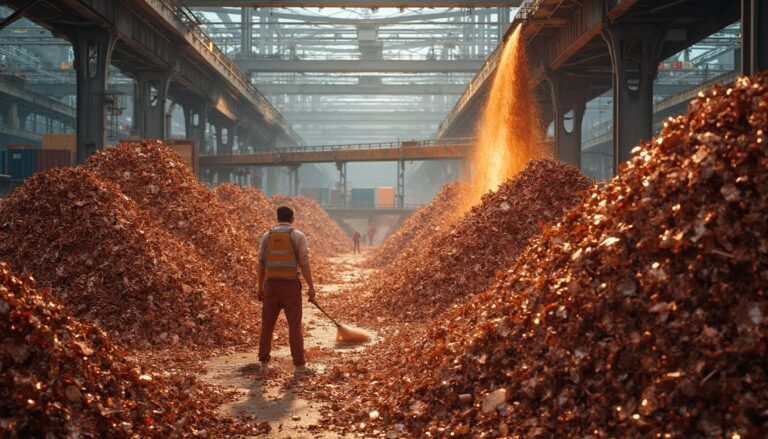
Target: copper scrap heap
x,y
643,313
155,177
250,206
110,256
453,263
60,377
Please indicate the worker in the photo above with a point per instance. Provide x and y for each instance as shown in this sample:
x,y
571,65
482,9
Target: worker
x,y
371,233
356,238
283,250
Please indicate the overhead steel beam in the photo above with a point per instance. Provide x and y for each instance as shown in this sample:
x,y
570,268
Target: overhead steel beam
x,y
17,14
316,19
40,103
342,117
551,50
356,3
274,158
17,134
69,88
358,89
152,35
357,66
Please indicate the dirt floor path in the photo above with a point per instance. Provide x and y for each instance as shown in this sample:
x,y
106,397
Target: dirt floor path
x,y
275,397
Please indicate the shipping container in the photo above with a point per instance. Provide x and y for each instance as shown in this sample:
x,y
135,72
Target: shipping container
x,y
62,141
3,169
19,146
320,194
53,158
187,149
363,197
409,143
385,197
22,163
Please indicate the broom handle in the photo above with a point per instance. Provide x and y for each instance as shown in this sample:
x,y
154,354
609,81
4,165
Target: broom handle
x,y
326,314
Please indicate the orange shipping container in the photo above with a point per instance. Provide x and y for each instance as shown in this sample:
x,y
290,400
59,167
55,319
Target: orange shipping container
x,y
385,197
53,158
61,141
187,149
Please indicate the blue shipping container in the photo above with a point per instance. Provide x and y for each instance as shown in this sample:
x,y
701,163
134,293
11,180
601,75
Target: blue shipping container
x,y
22,163
363,197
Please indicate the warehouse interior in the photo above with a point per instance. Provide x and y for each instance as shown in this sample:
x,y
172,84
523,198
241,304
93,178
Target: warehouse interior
x,y
525,218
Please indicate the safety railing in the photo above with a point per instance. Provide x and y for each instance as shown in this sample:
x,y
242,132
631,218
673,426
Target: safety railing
x,y
458,141
186,17
359,206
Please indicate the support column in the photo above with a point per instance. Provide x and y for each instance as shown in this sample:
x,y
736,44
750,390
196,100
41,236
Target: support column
x,y
401,183
195,121
93,54
754,36
246,32
225,138
271,186
342,167
149,103
255,176
296,181
569,93
543,96
169,119
244,140
635,55
23,115
10,114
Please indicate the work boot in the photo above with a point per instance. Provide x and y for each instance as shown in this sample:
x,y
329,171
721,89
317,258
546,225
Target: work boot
x,y
303,370
264,366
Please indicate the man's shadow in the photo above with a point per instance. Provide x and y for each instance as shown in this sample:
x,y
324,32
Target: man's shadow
x,y
266,409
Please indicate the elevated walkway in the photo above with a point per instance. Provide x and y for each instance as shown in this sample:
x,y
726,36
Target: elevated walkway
x,y
366,152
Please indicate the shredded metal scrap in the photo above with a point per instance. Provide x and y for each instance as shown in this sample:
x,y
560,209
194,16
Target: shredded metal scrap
x,y
158,180
60,377
641,314
452,264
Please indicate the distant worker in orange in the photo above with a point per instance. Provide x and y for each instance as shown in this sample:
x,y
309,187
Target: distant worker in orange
x,y
371,233
282,252
356,238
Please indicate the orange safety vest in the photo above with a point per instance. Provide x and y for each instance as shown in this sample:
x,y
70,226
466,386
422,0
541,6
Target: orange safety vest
x,y
280,260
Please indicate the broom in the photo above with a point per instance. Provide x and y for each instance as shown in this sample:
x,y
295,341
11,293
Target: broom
x,y
344,334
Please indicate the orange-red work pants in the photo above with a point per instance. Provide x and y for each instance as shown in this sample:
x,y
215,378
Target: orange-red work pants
x,y
282,295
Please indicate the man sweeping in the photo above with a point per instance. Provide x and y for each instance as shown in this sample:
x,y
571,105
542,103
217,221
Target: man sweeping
x,y
282,252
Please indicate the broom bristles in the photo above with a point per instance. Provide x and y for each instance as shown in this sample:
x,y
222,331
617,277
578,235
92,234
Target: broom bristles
x,y
345,334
